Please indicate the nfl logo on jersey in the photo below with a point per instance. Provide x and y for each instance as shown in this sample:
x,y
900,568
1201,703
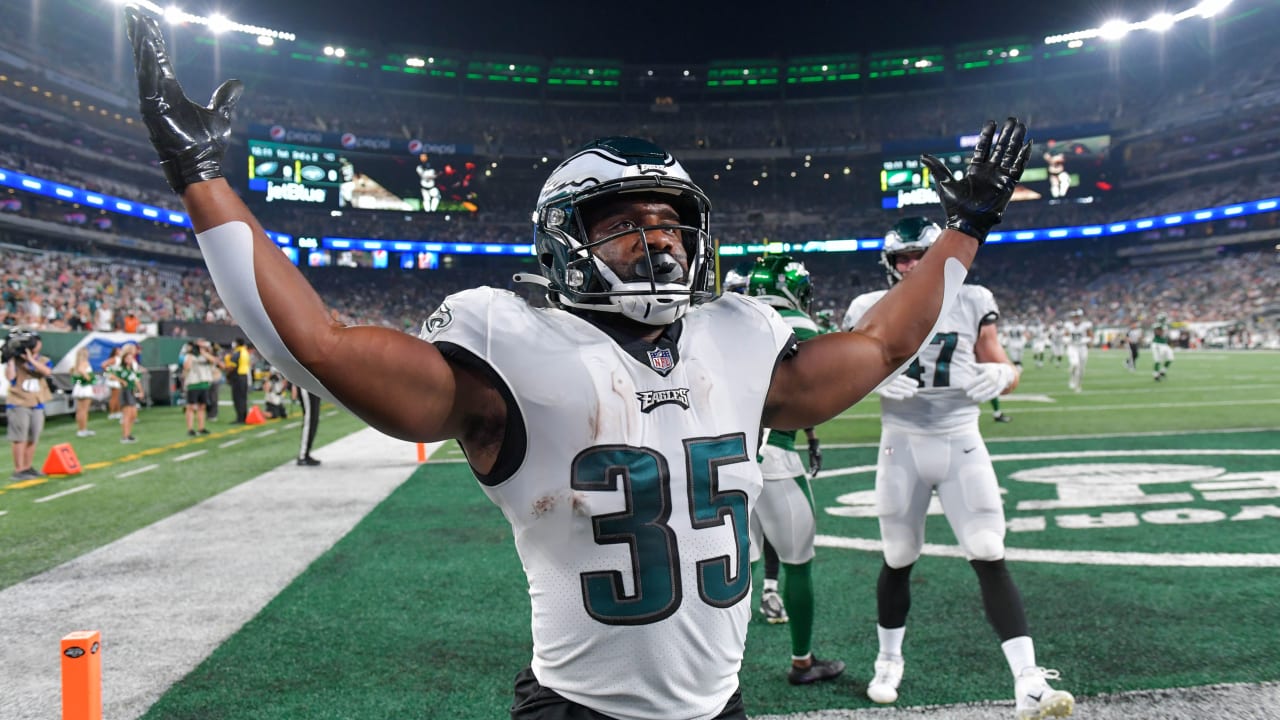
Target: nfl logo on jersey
x,y
661,360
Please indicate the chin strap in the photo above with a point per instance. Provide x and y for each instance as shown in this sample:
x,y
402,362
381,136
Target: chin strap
x,y
527,279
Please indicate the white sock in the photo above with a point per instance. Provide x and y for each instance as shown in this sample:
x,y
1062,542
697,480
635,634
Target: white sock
x,y
890,642
770,585
1021,654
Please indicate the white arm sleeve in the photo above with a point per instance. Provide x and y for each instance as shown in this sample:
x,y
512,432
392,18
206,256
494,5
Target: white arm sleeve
x,y
228,252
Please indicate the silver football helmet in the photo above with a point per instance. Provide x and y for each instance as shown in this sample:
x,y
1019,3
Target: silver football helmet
x,y
575,276
913,234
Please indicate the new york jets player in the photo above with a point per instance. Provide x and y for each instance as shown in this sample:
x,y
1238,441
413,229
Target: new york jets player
x,y
1161,350
930,442
617,430
1078,332
784,512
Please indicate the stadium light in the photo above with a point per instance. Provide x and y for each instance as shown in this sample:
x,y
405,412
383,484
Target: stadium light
x,y
266,41
1161,22
415,62
219,24
1209,8
1114,29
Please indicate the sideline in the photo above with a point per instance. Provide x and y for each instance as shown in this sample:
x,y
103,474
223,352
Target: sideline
x,y
164,597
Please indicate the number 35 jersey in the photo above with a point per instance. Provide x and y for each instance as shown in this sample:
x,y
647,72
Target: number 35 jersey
x,y
630,500
944,367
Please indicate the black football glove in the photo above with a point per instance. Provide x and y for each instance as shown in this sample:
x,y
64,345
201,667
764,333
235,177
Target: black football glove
x,y
190,139
815,457
974,203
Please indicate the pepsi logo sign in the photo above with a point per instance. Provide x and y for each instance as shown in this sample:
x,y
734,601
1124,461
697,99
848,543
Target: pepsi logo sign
x,y
277,133
348,140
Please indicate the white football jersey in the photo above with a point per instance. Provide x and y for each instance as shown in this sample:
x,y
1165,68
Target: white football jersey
x,y
945,366
631,501
1078,332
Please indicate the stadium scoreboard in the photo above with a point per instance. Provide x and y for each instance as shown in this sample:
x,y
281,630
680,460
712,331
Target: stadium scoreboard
x,y
347,171
1071,165
294,173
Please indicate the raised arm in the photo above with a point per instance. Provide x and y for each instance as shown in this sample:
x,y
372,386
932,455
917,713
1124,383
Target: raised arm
x,y
395,382
833,371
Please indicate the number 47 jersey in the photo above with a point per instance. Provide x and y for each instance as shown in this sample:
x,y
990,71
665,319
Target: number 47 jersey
x,y
627,475
943,368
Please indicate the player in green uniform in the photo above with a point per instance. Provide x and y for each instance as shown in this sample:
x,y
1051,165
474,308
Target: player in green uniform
x,y
784,513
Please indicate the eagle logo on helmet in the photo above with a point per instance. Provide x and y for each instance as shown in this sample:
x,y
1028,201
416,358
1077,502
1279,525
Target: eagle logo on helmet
x,y
909,235
576,277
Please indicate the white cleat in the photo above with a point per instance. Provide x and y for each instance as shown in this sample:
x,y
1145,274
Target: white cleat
x,y
883,688
1036,700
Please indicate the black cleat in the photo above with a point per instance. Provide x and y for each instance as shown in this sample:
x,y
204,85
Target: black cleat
x,y
308,461
1002,418
817,671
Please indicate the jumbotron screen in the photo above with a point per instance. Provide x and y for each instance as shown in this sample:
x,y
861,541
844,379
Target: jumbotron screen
x,y
343,171
1070,168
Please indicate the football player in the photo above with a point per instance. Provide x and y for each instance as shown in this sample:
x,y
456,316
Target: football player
x,y
616,430
1161,350
1078,332
930,442
771,605
784,511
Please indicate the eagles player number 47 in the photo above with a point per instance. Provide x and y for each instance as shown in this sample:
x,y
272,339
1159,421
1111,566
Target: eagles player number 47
x,y
941,373
643,475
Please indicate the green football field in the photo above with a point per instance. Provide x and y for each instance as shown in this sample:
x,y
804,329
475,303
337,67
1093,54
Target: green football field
x,y
1144,532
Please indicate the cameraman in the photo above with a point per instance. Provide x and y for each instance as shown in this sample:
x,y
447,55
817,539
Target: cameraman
x,y
27,372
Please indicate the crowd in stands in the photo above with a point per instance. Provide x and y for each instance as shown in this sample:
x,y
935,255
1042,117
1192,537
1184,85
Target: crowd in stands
x,y
1182,141
66,291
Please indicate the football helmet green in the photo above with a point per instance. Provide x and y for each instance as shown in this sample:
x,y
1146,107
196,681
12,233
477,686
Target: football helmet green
x,y
913,234
780,281
576,277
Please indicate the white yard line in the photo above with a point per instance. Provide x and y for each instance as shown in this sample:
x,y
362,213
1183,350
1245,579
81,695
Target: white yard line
x,y
64,493
229,443
188,456
139,471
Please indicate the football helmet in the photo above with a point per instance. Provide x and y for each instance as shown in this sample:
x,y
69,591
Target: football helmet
x,y
733,282
576,277
780,281
913,234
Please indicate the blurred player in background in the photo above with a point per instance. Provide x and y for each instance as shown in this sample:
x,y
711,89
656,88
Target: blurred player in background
x,y
784,512
1078,332
1058,341
1056,164
1161,350
427,182
930,442
347,183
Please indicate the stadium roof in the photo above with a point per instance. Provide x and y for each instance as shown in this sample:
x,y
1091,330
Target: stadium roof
x,y
701,30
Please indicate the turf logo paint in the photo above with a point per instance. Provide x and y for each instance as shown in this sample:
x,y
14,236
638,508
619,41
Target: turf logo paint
x,y
1110,496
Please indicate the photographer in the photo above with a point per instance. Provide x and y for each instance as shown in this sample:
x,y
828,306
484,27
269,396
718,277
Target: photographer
x,y
275,388
27,372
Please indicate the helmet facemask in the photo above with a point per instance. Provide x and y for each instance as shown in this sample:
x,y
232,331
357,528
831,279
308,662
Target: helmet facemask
x,y
656,290
911,235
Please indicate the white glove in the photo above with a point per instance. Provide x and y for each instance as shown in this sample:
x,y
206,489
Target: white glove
x,y
899,387
991,380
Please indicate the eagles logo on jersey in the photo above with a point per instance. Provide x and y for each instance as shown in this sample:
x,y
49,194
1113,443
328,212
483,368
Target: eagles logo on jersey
x,y
576,277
